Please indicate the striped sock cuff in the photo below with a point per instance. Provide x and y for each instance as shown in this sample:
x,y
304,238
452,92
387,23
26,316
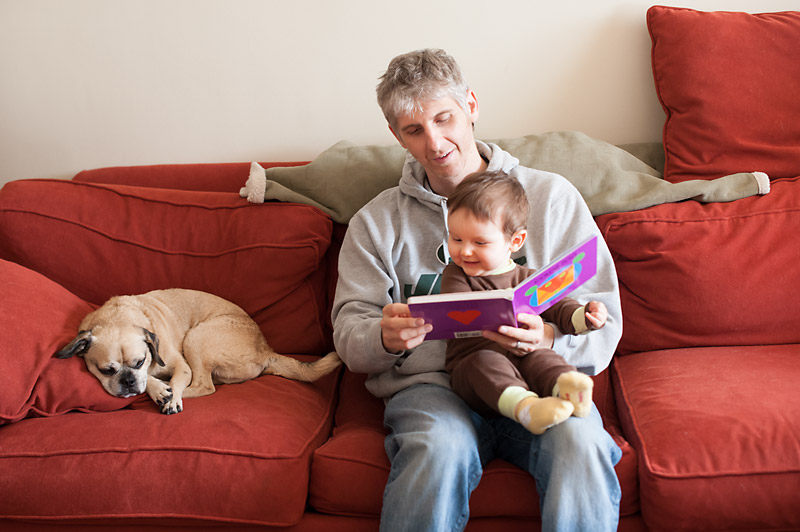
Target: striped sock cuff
x,y
509,399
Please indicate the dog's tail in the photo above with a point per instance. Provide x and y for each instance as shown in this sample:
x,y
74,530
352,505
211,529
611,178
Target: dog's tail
x,y
291,368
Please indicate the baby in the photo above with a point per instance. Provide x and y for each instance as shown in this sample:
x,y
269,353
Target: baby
x,y
487,216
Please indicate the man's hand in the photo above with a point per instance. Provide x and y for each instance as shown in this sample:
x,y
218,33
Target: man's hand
x,y
534,334
399,331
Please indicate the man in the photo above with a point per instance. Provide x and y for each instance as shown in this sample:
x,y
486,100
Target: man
x,y
395,247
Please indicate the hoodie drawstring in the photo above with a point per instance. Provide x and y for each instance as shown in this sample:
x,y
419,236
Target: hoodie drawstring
x,y
443,203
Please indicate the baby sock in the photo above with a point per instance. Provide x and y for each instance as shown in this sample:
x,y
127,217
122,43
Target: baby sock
x,y
537,414
576,388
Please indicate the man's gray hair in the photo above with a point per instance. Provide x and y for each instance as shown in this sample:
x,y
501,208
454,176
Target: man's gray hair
x,y
417,77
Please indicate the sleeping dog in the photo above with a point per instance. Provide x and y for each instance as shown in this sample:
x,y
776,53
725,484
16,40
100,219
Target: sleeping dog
x,y
179,343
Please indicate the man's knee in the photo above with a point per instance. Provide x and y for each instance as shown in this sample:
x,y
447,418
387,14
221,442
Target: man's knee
x,y
581,439
452,439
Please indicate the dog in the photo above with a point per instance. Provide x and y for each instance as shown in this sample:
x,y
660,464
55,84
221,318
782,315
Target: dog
x,y
178,343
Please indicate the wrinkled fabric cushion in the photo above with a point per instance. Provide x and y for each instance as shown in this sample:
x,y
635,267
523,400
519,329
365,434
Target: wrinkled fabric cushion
x,y
100,241
717,434
728,83
708,275
240,455
38,317
350,470
343,178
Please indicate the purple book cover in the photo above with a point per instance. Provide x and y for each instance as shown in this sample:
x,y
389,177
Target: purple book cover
x,y
465,314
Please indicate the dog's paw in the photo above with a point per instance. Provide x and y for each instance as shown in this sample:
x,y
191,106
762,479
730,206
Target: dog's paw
x,y
172,406
159,391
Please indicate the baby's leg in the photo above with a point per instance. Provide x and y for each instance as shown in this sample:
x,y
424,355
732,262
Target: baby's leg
x,y
480,378
488,381
547,373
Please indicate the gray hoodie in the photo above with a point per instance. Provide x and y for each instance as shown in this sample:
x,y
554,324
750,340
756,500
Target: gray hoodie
x,y
396,247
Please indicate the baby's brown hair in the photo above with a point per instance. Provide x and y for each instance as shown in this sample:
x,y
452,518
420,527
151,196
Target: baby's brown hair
x,y
492,196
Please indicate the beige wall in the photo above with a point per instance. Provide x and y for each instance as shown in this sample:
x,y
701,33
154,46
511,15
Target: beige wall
x,y
89,83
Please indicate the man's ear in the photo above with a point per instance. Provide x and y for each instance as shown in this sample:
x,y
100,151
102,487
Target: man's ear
x,y
473,107
518,239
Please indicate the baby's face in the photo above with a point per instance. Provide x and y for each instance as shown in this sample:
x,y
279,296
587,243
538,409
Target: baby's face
x,y
477,246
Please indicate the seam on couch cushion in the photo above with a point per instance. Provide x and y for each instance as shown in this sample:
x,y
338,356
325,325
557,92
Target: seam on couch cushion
x,y
227,251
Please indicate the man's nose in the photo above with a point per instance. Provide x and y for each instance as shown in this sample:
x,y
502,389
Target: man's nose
x,y
434,139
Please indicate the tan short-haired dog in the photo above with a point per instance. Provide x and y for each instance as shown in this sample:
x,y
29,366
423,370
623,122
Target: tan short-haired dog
x,y
178,343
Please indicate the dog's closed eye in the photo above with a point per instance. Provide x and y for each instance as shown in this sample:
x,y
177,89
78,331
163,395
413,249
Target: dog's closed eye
x,y
109,371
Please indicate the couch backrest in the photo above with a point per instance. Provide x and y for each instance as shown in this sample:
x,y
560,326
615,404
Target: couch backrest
x,y
100,240
211,177
720,274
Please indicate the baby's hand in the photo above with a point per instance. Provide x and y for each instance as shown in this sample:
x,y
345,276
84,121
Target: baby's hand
x,y
596,314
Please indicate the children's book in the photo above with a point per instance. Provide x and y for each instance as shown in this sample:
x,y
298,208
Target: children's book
x,y
466,314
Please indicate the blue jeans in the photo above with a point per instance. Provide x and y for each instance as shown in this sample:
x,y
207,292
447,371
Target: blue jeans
x,y
438,446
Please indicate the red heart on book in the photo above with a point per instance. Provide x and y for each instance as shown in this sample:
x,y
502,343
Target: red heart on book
x,y
464,316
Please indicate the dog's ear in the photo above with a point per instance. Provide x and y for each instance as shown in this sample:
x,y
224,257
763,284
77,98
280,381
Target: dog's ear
x,y
152,344
78,346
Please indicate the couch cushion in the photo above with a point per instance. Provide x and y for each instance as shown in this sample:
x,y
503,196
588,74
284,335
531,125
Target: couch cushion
x,y
696,274
38,317
717,434
104,240
350,470
728,83
241,455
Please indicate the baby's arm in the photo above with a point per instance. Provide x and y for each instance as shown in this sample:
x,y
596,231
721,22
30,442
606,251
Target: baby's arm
x,y
596,314
573,318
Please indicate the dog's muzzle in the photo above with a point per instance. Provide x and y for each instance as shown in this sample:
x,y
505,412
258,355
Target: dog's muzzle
x,y
128,384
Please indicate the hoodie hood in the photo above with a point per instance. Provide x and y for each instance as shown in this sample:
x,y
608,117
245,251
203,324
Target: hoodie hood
x,y
499,160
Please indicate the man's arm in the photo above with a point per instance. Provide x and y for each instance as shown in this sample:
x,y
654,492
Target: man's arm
x,y
370,329
572,223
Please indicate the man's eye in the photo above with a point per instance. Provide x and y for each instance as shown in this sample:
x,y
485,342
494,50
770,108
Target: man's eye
x,y
138,364
107,371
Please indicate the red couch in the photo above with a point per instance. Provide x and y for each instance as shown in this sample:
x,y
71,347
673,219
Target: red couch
x,y
269,452
699,397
